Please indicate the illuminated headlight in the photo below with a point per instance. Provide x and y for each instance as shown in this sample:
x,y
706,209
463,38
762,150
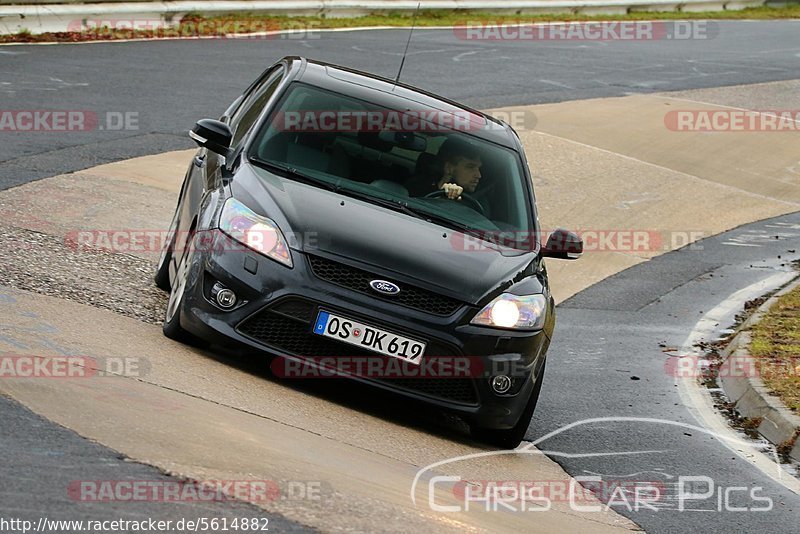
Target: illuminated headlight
x,y
525,312
254,231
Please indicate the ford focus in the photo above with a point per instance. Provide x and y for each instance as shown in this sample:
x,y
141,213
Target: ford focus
x,y
344,224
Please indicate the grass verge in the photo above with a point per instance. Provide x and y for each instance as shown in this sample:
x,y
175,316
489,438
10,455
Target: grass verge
x,y
775,346
195,25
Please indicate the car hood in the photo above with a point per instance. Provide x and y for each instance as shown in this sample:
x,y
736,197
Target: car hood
x,y
378,239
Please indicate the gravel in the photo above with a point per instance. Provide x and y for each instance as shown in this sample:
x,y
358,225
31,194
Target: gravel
x,y
44,264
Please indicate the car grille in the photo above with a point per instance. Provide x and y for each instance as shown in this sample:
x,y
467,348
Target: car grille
x,y
358,280
286,327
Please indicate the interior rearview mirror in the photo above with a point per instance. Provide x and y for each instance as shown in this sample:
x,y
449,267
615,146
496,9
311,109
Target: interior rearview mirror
x,y
407,140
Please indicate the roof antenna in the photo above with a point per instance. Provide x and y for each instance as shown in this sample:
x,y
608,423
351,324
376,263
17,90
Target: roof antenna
x,y
402,61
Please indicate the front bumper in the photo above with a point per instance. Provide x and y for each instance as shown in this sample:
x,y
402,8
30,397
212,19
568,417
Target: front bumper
x,y
278,306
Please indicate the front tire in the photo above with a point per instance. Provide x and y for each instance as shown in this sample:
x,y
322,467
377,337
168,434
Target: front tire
x,y
511,438
172,319
162,271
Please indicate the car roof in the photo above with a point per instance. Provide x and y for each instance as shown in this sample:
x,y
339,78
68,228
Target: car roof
x,y
385,92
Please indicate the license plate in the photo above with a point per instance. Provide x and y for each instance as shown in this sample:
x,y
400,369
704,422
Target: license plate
x,y
368,337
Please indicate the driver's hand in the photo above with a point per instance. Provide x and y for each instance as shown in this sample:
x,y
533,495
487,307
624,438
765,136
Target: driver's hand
x,y
453,191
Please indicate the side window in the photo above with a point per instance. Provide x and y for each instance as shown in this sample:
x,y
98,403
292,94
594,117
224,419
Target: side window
x,y
253,105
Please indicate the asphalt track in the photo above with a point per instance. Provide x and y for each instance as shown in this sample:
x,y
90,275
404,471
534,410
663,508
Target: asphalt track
x,y
612,364
40,459
605,332
171,84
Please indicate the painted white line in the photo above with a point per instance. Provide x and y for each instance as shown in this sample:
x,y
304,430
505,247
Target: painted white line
x,y
557,84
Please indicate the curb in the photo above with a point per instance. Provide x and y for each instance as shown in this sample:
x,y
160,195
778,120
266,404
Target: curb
x,y
43,18
749,395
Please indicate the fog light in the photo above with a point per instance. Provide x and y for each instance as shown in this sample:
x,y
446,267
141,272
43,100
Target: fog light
x,y
501,384
224,297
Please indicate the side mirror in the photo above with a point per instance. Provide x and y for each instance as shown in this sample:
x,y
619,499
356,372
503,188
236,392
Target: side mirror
x,y
563,244
213,135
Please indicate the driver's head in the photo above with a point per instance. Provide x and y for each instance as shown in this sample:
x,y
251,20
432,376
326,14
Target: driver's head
x,y
461,163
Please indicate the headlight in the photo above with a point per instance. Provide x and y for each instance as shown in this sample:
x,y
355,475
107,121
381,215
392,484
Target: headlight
x,y
513,311
254,231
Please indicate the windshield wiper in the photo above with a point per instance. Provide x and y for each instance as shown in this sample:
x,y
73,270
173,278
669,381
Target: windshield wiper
x,y
292,171
444,221
285,169
397,205
414,212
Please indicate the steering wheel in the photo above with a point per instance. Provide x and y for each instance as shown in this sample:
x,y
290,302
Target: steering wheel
x,y
474,204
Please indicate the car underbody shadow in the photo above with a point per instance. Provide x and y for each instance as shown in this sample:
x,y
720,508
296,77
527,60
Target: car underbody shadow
x,y
367,399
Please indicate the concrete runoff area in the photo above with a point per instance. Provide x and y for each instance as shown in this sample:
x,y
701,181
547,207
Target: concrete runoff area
x,y
600,165
612,164
191,414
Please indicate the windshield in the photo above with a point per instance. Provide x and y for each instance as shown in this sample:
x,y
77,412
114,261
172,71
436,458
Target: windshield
x,y
380,155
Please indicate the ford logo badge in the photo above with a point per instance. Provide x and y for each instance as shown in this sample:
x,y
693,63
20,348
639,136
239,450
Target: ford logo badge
x,y
382,286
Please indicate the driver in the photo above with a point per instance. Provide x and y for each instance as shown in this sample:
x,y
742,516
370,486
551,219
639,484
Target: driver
x,y
460,170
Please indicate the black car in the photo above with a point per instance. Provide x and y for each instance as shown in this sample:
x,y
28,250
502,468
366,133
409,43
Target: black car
x,y
345,222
